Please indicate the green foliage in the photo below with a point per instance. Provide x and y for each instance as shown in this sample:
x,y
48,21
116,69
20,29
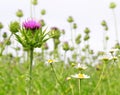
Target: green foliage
x,y
30,38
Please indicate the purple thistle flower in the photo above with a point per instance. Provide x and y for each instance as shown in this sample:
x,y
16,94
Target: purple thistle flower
x,y
31,24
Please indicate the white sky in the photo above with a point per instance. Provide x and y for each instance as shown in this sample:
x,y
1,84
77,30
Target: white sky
x,y
86,13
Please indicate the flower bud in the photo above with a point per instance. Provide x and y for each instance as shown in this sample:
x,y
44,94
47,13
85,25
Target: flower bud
x,y
74,26
34,2
54,33
112,5
103,23
107,38
4,35
42,22
70,19
8,43
43,12
65,46
14,27
19,13
87,31
86,37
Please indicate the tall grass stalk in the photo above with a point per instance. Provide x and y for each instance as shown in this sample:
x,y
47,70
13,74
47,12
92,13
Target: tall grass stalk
x,y
99,81
115,25
56,77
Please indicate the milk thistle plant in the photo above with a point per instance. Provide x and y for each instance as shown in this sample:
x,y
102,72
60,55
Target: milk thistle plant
x,y
31,36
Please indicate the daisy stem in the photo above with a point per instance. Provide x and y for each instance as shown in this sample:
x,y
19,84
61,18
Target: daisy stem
x,y
79,86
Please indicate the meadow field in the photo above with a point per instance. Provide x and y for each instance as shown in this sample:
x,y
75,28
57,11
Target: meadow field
x,y
41,64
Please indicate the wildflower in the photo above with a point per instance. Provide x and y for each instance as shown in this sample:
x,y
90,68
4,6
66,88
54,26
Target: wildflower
x,y
31,24
80,66
105,58
80,76
50,61
113,50
114,58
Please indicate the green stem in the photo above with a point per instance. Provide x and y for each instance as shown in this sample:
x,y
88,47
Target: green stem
x,y
79,86
30,72
115,24
56,76
31,8
100,78
71,34
3,47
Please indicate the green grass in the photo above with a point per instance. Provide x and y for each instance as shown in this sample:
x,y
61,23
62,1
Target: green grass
x,y
14,79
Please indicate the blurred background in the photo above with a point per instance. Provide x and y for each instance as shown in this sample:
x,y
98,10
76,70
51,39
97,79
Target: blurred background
x,y
86,13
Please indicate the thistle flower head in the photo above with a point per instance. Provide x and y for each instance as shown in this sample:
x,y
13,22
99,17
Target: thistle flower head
x,y
31,24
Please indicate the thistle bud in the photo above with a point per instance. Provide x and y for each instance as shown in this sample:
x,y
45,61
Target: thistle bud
x,y
4,35
86,37
1,25
103,23
70,19
55,32
8,43
77,40
112,5
107,38
14,26
42,22
87,31
19,13
65,46
43,12
34,2
74,26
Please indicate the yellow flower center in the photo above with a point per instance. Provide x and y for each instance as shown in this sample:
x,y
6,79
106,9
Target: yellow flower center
x,y
80,76
50,61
